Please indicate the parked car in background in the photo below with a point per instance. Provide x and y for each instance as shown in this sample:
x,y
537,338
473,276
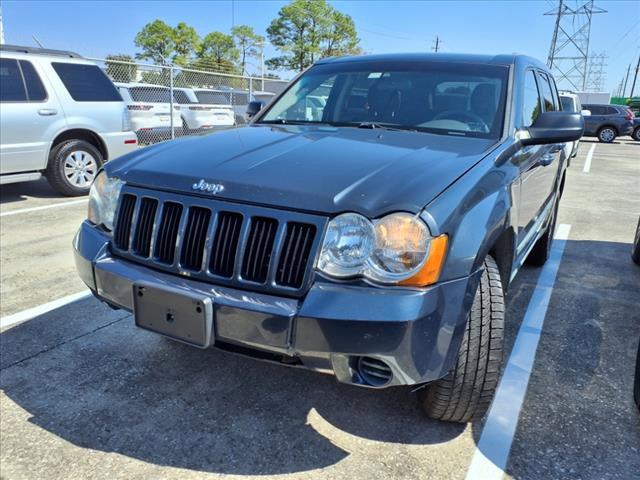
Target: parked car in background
x,y
240,99
374,243
199,116
636,127
60,116
571,103
150,110
607,122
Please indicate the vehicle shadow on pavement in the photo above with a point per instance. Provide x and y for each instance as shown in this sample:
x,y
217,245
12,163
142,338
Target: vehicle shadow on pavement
x,y
19,192
88,376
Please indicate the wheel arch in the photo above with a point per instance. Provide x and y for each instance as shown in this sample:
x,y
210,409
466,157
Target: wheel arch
x,y
81,134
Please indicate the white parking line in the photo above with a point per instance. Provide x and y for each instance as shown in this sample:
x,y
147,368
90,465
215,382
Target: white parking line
x,y
492,451
44,207
30,313
587,162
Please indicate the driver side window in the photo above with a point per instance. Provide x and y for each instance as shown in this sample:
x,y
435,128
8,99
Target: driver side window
x,y
531,102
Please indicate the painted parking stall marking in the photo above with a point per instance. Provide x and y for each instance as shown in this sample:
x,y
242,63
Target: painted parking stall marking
x,y
492,451
30,313
587,162
43,207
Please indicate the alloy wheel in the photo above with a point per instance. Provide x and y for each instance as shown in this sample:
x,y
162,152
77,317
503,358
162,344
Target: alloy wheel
x,y
80,168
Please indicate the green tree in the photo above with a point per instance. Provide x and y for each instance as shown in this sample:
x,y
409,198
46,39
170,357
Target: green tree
x,y
248,44
306,30
187,42
217,51
121,72
341,38
157,42
165,45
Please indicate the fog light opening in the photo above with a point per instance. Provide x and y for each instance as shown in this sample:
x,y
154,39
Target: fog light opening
x,y
374,372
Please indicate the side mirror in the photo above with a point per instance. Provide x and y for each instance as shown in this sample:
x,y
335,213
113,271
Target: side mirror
x,y
553,127
585,113
254,107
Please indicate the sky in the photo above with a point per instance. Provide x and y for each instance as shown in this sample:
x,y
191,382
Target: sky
x,y
98,28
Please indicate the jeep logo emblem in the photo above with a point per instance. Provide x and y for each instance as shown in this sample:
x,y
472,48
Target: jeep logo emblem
x,y
212,188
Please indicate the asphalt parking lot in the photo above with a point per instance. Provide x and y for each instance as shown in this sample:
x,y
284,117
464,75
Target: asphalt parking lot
x,y
84,394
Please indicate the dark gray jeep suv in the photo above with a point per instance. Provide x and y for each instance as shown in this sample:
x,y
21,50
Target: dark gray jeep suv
x,y
365,224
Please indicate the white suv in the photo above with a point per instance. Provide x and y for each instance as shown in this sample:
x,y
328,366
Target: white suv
x,y
197,115
150,110
60,116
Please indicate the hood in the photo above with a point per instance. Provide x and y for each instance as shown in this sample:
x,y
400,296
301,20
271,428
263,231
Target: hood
x,y
316,169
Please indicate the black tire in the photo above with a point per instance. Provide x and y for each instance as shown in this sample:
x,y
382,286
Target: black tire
x,y
466,392
542,249
636,134
635,249
607,134
55,171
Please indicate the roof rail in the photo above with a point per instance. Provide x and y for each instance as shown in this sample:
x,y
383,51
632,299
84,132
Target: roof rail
x,y
38,51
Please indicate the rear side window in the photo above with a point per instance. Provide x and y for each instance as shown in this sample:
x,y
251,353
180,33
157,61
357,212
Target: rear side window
x,y
614,111
547,95
11,84
35,89
86,83
531,104
597,110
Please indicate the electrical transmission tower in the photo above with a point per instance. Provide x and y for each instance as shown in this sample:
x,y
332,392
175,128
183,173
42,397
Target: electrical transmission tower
x,y
595,73
569,52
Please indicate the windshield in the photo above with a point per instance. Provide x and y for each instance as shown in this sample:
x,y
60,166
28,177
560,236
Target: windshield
x,y
446,98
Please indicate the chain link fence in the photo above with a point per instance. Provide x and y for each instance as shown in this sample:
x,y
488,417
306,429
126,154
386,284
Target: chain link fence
x,y
166,102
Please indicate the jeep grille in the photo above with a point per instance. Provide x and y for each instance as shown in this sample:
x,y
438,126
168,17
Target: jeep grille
x,y
231,244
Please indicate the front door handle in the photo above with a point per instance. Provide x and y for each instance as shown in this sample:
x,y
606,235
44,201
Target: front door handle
x,y
47,112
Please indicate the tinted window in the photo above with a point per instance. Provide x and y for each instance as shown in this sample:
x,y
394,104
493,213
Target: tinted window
x,y
180,97
86,83
11,84
547,95
567,104
531,104
437,97
215,98
150,94
613,111
596,109
35,88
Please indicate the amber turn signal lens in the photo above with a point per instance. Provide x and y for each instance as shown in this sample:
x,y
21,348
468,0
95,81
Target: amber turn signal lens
x,y
430,272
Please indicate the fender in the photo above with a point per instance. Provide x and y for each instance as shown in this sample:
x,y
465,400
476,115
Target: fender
x,y
476,211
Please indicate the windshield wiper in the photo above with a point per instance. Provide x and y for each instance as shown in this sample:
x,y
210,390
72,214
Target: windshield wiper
x,y
284,121
386,126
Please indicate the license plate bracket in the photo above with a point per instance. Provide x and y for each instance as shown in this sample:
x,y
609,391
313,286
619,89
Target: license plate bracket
x,y
174,313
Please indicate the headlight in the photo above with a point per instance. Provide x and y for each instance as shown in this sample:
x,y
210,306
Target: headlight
x,y
103,198
396,249
347,245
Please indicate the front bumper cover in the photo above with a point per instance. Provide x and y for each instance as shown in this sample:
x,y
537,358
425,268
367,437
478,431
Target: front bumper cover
x,y
417,333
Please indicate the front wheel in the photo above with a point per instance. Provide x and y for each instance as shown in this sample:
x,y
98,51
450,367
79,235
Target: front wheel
x,y
466,392
607,134
72,167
